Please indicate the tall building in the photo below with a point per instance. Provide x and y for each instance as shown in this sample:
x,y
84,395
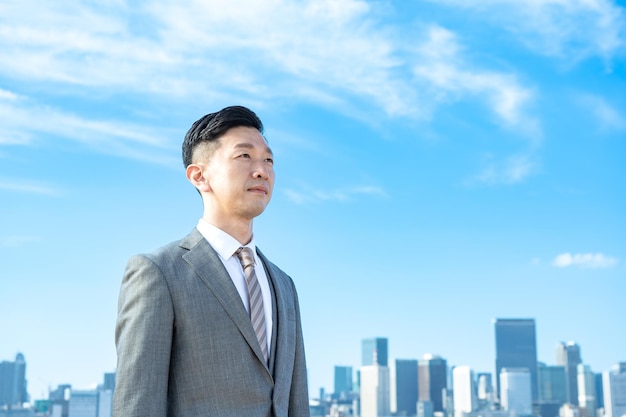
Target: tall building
x,y
516,347
614,387
464,389
375,400
515,391
568,355
403,387
586,391
343,381
374,351
484,390
13,389
552,384
432,375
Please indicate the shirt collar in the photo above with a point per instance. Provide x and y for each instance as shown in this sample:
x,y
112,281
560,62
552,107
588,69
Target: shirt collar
x,y
223,243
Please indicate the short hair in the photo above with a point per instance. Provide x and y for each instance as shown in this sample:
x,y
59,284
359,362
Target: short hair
x,y
212,126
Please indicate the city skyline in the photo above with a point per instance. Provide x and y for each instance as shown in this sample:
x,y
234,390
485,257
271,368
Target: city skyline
x,y
439,163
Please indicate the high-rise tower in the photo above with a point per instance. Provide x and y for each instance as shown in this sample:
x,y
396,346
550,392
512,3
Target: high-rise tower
x,y
374,351
403,383
516,347
432,374
464,389
568,356
13,382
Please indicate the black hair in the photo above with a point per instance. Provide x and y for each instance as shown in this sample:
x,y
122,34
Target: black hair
x,y
213,125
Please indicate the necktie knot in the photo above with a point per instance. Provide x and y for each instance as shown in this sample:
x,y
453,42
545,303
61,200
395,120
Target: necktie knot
x,y
245,257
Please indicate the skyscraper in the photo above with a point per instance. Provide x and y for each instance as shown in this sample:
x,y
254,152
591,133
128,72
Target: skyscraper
x,y
375,391
13,391
515,391
587,390
614,387
464,390
484,389
374,351
552,384
403,387
343,381
432,374
516,347
568,356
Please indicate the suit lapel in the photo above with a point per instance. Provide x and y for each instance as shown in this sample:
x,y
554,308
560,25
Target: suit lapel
x,y
209,268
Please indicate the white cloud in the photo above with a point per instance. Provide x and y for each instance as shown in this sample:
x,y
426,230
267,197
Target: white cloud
x,y
587,260
443,67
512,170
607,116
311,196
29,187
568,29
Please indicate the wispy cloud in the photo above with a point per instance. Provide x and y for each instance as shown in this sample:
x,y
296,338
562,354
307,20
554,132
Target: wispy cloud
x,y
441,64
567,29
18,126
312,196
608,117
30,187
324,51
585,260
506,171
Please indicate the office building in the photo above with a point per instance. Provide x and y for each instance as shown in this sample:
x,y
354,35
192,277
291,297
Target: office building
x,y
552,384
375,401
516,347
568,356
83,403
516,391
484,390
614,387
374,351
464,390
432,375
13,387
403,387
343,382
586,391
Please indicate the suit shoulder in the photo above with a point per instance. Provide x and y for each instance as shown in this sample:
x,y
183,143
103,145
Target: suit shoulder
x,y
172,250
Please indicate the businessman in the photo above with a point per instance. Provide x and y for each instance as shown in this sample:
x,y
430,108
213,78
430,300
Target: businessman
x,y
207,326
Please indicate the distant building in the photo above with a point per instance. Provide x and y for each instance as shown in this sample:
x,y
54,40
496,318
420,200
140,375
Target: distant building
x,y
484,390
374,351
568,356
83,403
13,386
614,387
432,374
464,389
586,391
375,391
552,384
516,391
403,387
343,381
516,347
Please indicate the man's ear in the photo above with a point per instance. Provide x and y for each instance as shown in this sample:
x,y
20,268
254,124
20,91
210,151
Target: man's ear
x,y
196,176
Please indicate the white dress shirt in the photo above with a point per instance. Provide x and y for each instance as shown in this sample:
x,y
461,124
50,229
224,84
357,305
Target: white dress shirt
x,y
225,245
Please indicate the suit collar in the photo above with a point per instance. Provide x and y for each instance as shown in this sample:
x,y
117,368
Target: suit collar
x,y
209,268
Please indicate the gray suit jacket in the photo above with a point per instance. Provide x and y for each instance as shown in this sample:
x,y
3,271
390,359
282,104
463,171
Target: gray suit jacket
x,y
186,347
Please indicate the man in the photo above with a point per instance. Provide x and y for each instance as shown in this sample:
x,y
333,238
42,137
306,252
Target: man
x,y
185,340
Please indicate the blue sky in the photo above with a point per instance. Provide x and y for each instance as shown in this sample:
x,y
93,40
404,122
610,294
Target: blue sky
x,y
439,163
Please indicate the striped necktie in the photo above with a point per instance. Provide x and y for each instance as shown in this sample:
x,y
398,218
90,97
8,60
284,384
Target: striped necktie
x,y
255,297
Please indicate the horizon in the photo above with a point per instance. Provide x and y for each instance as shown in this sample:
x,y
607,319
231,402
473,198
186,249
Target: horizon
x,y
438,164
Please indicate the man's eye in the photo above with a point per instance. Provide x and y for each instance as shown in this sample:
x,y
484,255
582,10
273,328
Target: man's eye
x,y
270,160
244,155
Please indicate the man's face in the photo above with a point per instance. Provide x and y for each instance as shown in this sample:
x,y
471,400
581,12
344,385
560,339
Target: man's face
x,y
240,175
